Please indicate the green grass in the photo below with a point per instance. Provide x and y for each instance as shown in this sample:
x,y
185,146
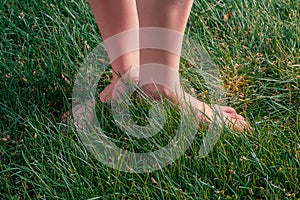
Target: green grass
x,y
43,43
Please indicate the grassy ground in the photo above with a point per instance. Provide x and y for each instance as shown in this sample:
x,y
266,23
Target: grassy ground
x,y
255,43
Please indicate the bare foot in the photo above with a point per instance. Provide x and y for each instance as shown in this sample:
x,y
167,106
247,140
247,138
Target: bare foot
x,y
205,112
106,94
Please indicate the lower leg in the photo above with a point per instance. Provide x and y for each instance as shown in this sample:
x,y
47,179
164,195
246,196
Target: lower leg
x,y
172,15
114,17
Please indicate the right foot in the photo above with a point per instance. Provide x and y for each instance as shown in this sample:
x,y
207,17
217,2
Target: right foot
x,y
205,112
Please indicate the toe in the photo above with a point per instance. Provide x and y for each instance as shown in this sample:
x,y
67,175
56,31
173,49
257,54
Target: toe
x,y
105,95
228,109
236,122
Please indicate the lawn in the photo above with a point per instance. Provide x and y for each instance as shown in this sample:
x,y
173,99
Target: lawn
x,y
256,45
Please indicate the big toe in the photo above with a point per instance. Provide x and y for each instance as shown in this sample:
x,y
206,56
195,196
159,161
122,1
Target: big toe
x,y
105,95
236,122
228,109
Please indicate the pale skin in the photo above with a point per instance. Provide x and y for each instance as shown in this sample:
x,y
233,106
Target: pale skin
x,y
117,16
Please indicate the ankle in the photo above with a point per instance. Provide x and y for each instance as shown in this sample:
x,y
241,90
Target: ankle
x,y
158,92
131,73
